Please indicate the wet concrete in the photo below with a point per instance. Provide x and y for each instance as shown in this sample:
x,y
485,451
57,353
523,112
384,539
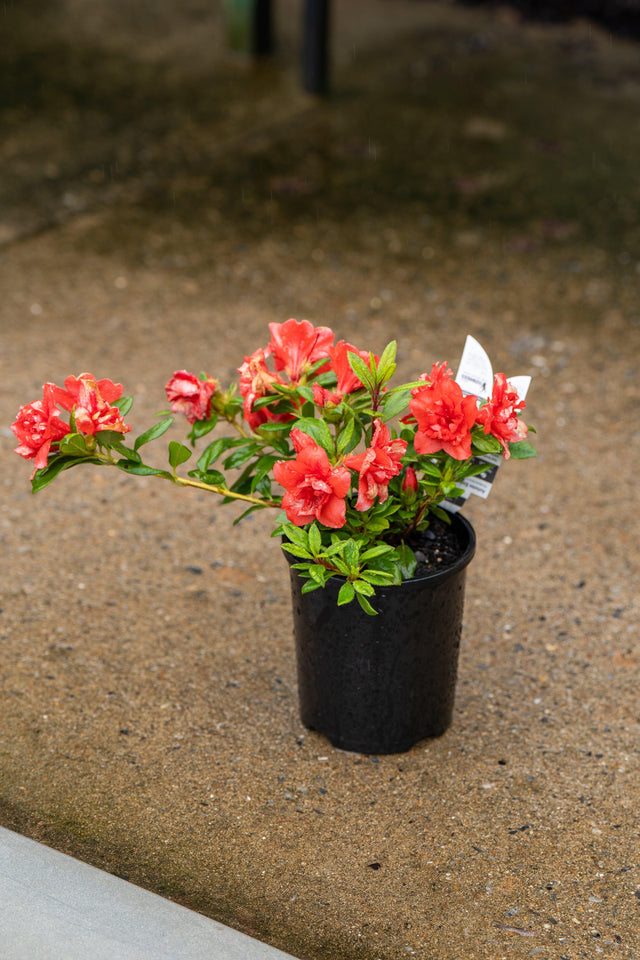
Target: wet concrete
x,y
162,203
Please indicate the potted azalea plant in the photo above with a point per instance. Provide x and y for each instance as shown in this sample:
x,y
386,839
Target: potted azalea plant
x,y
366,480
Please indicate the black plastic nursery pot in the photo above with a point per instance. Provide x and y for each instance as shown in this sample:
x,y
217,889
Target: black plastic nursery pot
x,y
379,684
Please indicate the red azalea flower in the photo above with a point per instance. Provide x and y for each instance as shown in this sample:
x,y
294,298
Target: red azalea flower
x,y
190,396
347,380
499,416
38,427
68,398
376,466
297,345
91,400
255,381
314,489
440,373
444,416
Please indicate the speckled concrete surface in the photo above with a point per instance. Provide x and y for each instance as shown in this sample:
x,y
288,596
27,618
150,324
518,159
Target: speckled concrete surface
x,y
469,174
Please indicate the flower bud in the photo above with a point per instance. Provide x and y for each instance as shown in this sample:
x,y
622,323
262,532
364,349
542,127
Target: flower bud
x,y
410,480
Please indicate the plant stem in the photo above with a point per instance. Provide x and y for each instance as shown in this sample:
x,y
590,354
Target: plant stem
x,y
224,492
418,517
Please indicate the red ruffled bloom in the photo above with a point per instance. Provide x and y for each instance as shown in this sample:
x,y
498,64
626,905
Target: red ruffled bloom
x,y
91,400
255,381
499,416
39,428
444,415
70,396
190,396
440,373
314,489
376,466
297,345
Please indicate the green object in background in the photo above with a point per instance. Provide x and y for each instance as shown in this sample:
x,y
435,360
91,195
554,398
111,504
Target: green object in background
x,y
248,25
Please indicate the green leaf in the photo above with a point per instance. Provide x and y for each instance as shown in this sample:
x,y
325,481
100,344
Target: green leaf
x,y
263,468
297,551
270,399
178,453
153,432
311,585
474,469
242,484
306,393
341,566
430,469
387,364
294,534
241,455
440,513
361,370
125,452
316,366
201,427
123,404
364,588
346,594
246,512
378,551
213,477
385,565
351,554
141,469
393,404
366,606
345,438
407,562
55,466
331,551
377,525
211,453
74,445
379,578
318,573
485,443
108,438
280,445
318,431
271,427
450,488
521,450
315,540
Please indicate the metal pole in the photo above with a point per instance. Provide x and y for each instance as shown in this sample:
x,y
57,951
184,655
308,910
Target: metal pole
x,y
315,46
262,29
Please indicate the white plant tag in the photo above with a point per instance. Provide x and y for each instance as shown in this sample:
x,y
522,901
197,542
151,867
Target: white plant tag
x,y
475,375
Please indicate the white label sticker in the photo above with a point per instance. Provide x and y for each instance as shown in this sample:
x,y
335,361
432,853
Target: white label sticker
x,y
475,375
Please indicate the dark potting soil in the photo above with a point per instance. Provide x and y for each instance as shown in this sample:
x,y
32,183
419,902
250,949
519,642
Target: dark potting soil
x,y
436,548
